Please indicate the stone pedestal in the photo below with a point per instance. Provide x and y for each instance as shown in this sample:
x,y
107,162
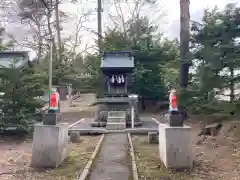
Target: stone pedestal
x,y
153,137
51,118
174,120
107,104
174,146
49,145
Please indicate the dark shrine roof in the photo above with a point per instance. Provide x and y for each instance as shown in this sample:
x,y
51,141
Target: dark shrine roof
x,y
119,59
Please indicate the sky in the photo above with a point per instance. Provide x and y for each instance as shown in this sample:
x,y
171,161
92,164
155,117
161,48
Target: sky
x,y
196,12
170,24
171,7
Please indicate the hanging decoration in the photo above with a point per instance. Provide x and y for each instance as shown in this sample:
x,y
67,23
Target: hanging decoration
x,y
112,80
117,80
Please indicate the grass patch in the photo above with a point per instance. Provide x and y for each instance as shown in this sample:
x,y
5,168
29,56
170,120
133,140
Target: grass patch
x,y
149,165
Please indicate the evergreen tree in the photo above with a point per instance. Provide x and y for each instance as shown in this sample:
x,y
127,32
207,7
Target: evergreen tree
x,y
216,55
21,90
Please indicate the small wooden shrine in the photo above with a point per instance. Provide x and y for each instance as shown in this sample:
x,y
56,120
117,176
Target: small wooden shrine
x,y
117,69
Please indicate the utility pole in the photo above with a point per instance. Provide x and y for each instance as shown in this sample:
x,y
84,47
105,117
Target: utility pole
x,y
99,17
50,69
51,39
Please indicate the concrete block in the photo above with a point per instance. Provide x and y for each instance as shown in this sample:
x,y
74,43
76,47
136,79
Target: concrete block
x,y
116,114
95,124
174,146
102,124
51,118
153,137
174,120
75,137
50,145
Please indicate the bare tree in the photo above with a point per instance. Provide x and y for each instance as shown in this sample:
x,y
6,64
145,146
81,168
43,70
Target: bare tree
x,y
33,14
34,17
129,10
41,19
58,29
73,42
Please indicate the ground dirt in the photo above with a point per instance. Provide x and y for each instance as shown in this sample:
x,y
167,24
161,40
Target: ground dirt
x,y
15,161
82,108
16,151
217,157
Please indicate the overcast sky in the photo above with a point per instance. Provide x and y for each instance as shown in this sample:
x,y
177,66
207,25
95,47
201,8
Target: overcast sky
x,y
170,22
196,11
171,7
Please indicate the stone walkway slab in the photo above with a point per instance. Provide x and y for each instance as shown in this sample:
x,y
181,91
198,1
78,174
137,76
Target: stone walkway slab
x,y
113,160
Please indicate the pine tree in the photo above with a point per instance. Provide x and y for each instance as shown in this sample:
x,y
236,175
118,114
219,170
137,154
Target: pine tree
x,y
19,98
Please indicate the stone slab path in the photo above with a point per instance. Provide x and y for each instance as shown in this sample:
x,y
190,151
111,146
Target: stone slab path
x,y
113,159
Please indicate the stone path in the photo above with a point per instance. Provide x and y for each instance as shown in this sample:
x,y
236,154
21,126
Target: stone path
x,y
113,160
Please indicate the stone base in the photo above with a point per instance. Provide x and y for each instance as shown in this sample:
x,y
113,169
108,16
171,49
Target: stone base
x,y
98,124
153,137
51,118
116,126
174,146
174,120
75,137
49,145
136,124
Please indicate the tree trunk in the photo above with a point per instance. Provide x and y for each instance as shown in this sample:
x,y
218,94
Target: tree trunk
x,y
49,24
51,35
60,49
184,42
40,43
184,50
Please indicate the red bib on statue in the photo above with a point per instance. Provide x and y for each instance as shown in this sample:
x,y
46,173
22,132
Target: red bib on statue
x,y
174,102
53,100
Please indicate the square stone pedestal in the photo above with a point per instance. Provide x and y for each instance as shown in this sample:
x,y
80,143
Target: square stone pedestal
x,y
49,145
174,146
